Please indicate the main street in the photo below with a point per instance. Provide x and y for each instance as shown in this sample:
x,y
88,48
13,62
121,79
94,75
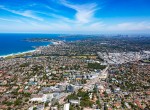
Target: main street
x,y
97,79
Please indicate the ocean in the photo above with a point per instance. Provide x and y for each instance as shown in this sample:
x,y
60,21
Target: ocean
x,y
15,43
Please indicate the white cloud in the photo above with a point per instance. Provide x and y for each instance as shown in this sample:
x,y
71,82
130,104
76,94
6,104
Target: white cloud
x,y
30,14
84,12
84,21
10,20
130,26
62,18
26,13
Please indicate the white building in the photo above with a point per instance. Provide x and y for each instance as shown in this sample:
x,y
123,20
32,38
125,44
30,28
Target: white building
x,y
66,106
43,98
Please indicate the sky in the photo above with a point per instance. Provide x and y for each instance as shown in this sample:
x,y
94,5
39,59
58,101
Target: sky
x,y
75,16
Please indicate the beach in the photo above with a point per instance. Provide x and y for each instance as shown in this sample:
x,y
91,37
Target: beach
x,y
30,51
19,53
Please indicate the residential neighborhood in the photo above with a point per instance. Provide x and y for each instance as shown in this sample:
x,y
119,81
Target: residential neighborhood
x,y
55,77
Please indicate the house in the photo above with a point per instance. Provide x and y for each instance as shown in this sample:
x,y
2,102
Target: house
x,y
70,88
40,107
117,89
3,89
74,102
37,98
127,105
108,91
78,77
88,109
117,105
54,108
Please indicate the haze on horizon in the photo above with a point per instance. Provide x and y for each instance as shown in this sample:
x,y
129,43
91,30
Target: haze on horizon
x,y
75,16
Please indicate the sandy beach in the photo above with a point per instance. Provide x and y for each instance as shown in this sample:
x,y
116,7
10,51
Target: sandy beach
x,y
19,53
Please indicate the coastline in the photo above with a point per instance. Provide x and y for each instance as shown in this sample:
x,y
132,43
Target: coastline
x,y
30,51
18,53
26,52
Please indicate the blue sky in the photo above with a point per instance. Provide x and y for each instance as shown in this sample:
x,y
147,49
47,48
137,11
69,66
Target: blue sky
x,y
75,16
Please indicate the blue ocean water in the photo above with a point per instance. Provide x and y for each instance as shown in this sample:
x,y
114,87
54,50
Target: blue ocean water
x,y
15,43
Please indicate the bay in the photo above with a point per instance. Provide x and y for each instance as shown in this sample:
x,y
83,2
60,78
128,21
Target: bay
x,y
15,43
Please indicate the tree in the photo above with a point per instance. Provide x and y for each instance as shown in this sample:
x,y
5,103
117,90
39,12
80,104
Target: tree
x,y
17,102
98,103
96,66
71,108
34,108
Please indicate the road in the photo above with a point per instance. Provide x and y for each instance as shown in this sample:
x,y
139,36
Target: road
x,y
97,79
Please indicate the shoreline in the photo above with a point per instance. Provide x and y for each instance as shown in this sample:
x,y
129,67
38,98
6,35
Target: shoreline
x,y
18,53
29,51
